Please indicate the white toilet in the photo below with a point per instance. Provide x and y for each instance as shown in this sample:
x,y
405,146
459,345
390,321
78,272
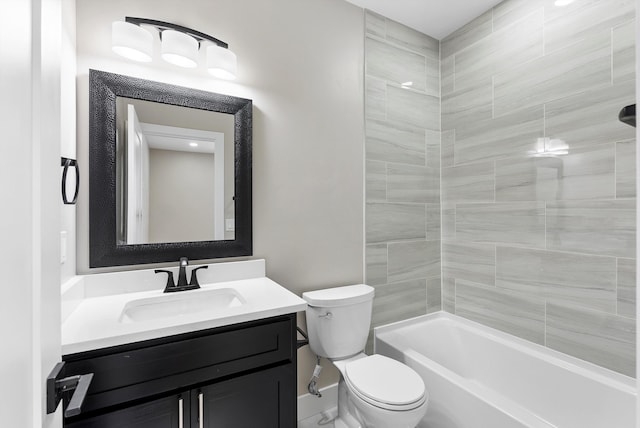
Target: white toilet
x,y
374,391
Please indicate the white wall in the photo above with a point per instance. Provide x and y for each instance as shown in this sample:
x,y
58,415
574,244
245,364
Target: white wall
x,y
301,62
30,43
68,129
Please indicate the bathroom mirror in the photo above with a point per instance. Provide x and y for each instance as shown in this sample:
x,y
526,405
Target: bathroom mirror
x,y
170,172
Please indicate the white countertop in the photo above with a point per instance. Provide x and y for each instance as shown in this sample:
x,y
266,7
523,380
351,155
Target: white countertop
x,y
96,322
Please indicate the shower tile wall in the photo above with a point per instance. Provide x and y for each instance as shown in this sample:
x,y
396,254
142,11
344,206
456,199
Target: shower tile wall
x,y
402,149
540,245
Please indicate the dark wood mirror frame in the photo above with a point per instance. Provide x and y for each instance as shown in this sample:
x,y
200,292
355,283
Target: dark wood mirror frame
x,y
104,249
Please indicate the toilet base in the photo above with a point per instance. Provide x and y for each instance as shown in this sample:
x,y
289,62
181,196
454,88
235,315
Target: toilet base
x,y
345,418
355,413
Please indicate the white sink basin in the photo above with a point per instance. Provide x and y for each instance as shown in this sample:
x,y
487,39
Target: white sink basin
x,y
183,303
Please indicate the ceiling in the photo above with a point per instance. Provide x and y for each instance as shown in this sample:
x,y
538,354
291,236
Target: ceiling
x,y
436,18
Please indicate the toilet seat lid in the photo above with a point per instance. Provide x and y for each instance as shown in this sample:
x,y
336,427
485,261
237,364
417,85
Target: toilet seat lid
x,y
384,382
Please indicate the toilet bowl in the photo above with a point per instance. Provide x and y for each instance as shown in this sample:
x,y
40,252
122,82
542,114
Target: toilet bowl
x,y
374,391
378,391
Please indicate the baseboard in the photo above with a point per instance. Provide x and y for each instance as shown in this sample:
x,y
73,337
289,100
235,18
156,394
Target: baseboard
x,y
309,405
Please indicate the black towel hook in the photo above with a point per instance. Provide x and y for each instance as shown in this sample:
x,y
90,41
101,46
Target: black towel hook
x,y
66,163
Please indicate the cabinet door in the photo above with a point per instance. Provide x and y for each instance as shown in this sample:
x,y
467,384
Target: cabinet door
x,y
265,399
169,412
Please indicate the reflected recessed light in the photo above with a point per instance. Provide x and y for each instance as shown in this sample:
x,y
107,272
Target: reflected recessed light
x,y
193,144
563,2
406,84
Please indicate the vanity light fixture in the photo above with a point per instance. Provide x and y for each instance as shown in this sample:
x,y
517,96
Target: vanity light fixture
x,y
131,41
179,45
179,49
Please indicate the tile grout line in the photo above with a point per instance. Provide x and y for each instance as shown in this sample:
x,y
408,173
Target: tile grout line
x,y
544,30
615,171
545,226
440,173
495,266
611,43
617,288
545,321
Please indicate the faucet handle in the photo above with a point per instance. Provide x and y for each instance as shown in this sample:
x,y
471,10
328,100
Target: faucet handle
x,y
194,276
170,283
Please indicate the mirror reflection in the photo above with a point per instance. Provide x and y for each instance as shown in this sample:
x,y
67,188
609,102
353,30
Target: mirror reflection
x,y
174,173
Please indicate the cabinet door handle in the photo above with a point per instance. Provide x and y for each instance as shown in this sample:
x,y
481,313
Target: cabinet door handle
x,y
200,410
180,413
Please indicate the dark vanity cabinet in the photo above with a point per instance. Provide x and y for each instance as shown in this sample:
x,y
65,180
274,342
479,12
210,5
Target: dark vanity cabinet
x,y
240,376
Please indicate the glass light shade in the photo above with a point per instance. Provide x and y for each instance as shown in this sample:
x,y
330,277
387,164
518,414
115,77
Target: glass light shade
x,y
222,63
179,49
131,41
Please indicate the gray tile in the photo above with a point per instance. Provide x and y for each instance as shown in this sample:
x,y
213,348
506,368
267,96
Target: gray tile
x,y
395,65
434,295
582,174
604,339
503,50
582,279
408,183
469,261
580,67
375,98
420,43
448,148
474,182
376,173
624,52
433,222
448,225
595,227
394,142
374,24
414,108
433,77
376,264
626,169
399,301
577,22
447,73
467,105
433,148
513,134
510,11
467,35
449,295
590,117
516,223
413,260
627,287
394,222
412,40
514,313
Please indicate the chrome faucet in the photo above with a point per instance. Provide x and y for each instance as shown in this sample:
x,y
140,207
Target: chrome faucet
x,y
182,278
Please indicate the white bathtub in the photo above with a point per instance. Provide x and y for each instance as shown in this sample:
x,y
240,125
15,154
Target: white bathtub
x,y
478,377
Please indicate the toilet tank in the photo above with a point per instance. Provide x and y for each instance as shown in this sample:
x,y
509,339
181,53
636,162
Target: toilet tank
x,y
338,320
